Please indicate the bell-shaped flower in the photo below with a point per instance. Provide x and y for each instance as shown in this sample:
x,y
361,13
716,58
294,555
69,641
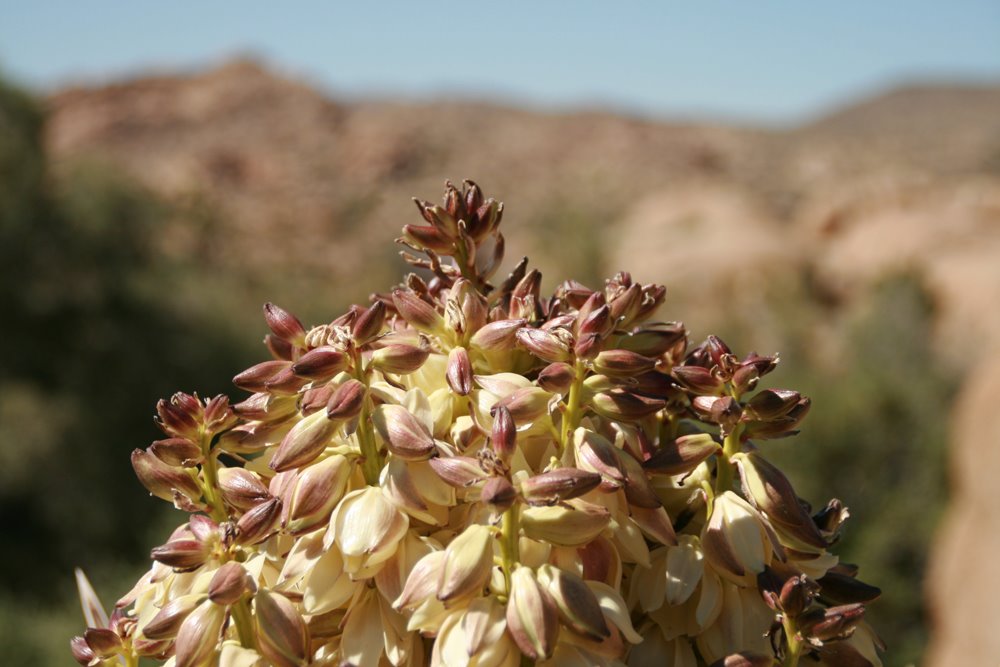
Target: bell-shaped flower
x,y
366,527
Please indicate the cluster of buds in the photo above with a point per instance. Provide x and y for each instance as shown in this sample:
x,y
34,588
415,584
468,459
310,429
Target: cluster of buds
x,y
463,474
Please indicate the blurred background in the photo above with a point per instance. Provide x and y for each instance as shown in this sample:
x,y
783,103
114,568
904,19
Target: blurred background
x,y
823,183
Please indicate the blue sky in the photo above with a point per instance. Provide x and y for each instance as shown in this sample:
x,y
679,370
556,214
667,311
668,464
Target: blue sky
x,y
758,61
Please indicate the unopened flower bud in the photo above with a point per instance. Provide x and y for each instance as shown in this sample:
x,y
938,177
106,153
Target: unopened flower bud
x,y
167,622
622,363
563,525
317,491
315,399
771,403
259,523
722,410
698,379
503,437
161,479
459,372
622,405
841,588
546,345
229,583
242,489
177,419
422,582
597,321
467,563
771,492
594,452
796,594
283,324
285,382
498,493
82,653
282,634
577,605
263,406
587,346
399,358
532,618
653,340
346,400
307,440
556,378
497,336
458,471
103,642
638,490
320,363
836,623
527,404
550,487
404,435
177,452
418,313
182,554
257,376
369,323
199,634
682,455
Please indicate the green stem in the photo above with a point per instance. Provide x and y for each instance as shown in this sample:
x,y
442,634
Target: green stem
x,y
509,535
210,487
724,472
793,642
571,418
244,624
131,659
371,465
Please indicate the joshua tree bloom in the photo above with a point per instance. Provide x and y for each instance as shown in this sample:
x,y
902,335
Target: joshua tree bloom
x,y
468,472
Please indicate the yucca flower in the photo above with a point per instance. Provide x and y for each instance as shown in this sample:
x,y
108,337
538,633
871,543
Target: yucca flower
x,y
469,474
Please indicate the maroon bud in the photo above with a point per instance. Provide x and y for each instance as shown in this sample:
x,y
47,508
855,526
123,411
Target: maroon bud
x,y
82,653
429,238
745,659
182,554
259,523
622,363
279,349
161,479
459,373
654,340
418,313
587,346
619,404
504,434
546,345
556,377
178,420
499,493
698,379
796,594
771,403
283,324
103,642
346,401
399,358
320,363
458,471
229,583
369,323
682,455
242,489
285,382
315,399
550,487
717,350
256,377
177,452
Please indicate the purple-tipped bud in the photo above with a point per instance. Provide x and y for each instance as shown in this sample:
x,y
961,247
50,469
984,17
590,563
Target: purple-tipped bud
x,y
532,618
429,238
285,382
596,453
459,373
346,401
282,634
722,410
418,313
404,435
622,363
317,491
638,490
259,523
242,489
546,345
498,493
177,452
279,349
550,487
556,378
219,415
622,405
229,583
625,306
82,653
836,623
320,363
162,480
399,358
256,377
577,605
654,340
717,350
182,554
503,437
283,324
263,406
682,455
369,323
315,399
177,419
103,642
307,440
458,471
771,403
198,638
497,336
167,622
698,379
796,594
771,492
587,346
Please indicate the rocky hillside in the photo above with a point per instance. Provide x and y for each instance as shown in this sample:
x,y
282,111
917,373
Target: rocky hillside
x,y
303,191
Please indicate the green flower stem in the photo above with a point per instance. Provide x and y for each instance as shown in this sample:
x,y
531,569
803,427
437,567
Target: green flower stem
x,y
571,418
210,484
371,465
793,641
131,659
509,535
724,474
244,624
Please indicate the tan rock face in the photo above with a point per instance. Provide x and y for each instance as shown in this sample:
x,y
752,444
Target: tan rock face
x,y
908,182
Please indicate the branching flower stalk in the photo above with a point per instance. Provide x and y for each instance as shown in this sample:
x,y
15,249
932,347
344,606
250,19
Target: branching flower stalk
x,y
462,473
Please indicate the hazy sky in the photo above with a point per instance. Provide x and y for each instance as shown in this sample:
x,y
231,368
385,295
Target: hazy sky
x,y
764,61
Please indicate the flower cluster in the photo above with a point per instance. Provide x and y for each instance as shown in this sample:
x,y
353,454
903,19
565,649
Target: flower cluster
x,y
465,474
